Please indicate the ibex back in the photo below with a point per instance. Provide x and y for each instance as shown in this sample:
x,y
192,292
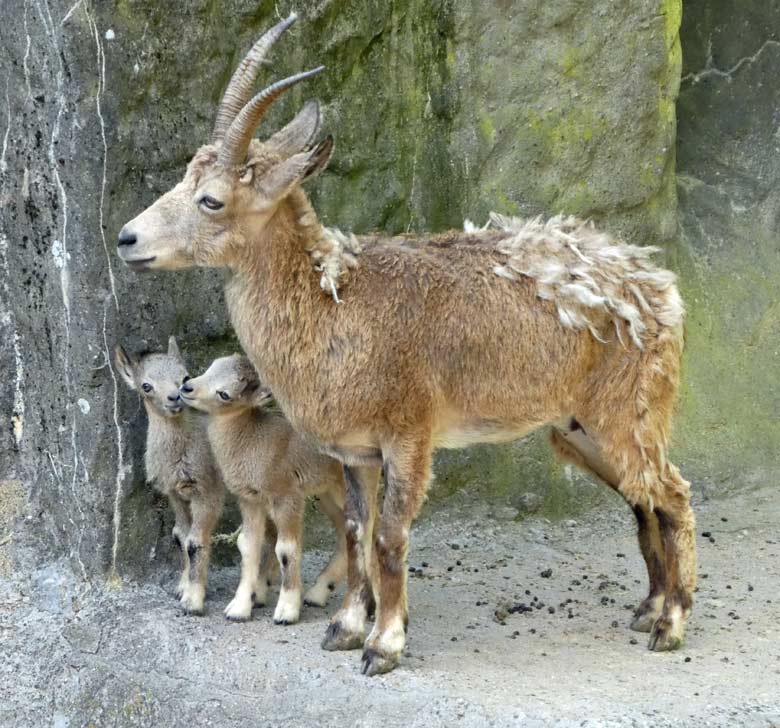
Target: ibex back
x,y
383,355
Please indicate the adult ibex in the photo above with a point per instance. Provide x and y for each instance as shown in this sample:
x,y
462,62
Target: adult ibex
x,y
383,356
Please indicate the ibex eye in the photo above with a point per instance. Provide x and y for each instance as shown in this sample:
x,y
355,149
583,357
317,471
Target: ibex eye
x,y
224,396
147,387
211,203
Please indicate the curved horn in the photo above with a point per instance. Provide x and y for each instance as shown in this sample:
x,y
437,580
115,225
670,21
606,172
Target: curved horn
x,y
239,90
239,135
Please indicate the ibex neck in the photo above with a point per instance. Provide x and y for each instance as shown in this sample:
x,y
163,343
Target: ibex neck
x,y
282,317
161,427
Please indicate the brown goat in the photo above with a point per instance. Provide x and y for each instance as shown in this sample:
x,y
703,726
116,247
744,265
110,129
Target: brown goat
x,y
382,356
179,463
271,470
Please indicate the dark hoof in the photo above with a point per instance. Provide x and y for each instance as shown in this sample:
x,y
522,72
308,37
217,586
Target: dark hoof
x,y
643,621
190,612
310,603
236,619
283,622
337,638
662,638
373,663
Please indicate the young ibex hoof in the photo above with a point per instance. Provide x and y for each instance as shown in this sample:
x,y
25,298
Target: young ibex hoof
x,y
238,611
664,637
374,663
309,602
193,610
338,638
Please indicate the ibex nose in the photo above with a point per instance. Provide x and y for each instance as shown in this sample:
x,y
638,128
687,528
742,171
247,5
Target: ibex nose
x,y
186,388
126,237
173,397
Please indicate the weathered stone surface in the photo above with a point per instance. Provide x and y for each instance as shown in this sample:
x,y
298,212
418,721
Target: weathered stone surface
x,y
729,252
442,110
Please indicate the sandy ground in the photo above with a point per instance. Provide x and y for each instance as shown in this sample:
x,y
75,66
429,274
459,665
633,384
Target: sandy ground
x,y
122,656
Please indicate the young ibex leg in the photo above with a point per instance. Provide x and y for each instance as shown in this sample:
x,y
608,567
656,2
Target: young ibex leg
x,y
288,553
198,546
182,525
250,544
407,474
572,443
677,525
347,629
269,566
336,568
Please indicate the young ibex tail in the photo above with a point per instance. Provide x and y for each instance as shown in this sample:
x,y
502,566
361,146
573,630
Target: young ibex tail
x,y
383,355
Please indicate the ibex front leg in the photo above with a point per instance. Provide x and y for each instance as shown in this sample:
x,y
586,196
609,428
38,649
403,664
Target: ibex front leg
x,y
347,629
181,528
407,474
198,545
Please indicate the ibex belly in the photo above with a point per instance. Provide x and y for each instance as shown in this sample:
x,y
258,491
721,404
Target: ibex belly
x,y
455,435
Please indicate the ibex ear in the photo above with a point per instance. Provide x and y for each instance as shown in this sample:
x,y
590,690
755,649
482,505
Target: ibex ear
x,y
262,397
298,168
295,137
173,348
125,365
319,158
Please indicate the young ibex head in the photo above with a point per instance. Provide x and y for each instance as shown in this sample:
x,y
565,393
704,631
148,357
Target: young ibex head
x,y
156,377
229,384
235,183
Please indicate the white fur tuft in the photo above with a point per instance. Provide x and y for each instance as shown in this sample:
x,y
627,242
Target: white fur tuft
x,y
333,254
593,279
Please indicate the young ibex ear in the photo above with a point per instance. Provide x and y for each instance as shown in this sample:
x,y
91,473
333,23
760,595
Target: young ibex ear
x,y
262,397
173,348
125,365
295,137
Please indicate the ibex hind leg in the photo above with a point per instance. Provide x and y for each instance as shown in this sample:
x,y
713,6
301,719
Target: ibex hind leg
x,y
571,442
336,568
347,629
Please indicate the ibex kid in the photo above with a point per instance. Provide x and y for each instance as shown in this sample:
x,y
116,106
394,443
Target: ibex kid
x,y
179,463
271,470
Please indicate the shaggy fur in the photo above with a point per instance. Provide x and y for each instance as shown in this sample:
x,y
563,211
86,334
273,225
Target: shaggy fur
x,y
272,471
443,341
179,464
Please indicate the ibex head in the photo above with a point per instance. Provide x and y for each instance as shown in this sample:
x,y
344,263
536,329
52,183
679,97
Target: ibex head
x,y
235,183
230,383
156,377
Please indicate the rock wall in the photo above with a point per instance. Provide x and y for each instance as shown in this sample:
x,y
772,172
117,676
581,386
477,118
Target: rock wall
x,y
442,109
728,254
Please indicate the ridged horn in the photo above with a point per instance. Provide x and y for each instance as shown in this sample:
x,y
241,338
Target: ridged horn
x,y
239,90
236,143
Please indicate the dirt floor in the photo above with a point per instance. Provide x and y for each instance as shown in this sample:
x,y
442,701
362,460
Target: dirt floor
x,y
123,656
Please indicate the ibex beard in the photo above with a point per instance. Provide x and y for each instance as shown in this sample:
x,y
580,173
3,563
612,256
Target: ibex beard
x,y
383,355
